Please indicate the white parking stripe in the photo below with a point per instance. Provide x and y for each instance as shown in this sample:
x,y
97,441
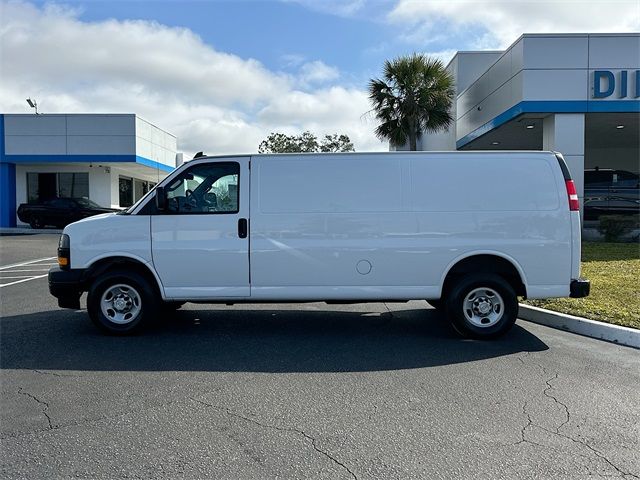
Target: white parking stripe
x,y
26,270
20,281
16,276
30,262
34,266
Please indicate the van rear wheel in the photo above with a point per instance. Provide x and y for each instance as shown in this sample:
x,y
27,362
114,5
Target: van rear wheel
x,y
121,302
482,306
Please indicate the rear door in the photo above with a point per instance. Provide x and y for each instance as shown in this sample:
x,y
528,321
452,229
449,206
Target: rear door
x,y
200,242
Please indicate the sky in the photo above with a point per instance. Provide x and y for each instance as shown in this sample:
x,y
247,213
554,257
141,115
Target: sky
x,y
222,75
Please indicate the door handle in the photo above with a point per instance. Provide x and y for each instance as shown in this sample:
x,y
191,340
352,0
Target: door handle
x,y
243,226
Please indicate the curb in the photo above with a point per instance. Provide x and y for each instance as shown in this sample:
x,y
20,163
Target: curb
x,y
629,337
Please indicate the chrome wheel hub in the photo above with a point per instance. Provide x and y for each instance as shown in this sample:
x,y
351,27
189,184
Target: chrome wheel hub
x,y
483,307
121,304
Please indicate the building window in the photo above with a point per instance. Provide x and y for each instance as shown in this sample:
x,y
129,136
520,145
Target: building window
x,y
45,186
73,185
132,190
126,191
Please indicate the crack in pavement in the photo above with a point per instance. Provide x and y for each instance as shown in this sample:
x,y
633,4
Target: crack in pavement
x,y
280,429
53,374
373,414
523,430
592,449
88,421
40,402
546,393
530,424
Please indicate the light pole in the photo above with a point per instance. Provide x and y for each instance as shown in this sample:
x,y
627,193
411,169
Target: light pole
x,y
33,104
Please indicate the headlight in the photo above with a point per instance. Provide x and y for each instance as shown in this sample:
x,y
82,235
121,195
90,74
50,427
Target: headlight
x,y
64,252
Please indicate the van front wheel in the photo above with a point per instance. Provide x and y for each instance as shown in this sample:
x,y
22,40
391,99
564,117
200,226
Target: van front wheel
x,y
121,302
482,306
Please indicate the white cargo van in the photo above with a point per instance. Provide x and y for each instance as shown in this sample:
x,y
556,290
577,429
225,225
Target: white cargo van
x,y
467,231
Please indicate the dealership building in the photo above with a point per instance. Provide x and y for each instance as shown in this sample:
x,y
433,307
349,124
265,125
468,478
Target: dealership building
x,y
578,94
110,159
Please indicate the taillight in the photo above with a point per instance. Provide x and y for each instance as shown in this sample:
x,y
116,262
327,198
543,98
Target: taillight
x,y
574,203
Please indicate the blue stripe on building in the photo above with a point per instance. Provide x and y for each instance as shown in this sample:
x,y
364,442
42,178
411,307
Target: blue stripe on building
x,y
8,171
7,185
86,159
550,106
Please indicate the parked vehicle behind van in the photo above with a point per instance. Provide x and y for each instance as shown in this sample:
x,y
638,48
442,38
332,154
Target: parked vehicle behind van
x,y
467,231
59,212
610,192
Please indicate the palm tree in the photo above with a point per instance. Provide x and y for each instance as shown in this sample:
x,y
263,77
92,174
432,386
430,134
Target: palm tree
x,y
415,96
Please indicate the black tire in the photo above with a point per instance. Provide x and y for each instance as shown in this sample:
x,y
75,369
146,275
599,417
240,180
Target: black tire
x,y
139,286
507,309
36,222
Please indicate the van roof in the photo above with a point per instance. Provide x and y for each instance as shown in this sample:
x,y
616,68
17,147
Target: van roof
x,y
422,152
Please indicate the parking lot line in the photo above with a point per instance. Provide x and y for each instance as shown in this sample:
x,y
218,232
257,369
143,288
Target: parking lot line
x,y
23,280
29,262
16,276
8,272
29,270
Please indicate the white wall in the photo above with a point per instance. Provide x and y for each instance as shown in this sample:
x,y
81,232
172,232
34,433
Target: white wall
x,y
88,134
154,143
70,134
564,132
465,67
546,67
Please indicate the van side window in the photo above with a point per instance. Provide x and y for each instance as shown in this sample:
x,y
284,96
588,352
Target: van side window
x,y
205,188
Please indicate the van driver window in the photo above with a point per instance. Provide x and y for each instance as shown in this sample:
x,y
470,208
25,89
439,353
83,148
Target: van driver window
x,y
205,188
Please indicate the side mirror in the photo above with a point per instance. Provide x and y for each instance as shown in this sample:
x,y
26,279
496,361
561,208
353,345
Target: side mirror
x,y
161,198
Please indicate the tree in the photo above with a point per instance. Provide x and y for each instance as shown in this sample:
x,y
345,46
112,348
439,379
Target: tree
x,y
305,142
336,143
414,96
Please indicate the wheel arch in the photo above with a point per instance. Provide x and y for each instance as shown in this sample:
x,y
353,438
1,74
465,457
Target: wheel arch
x,y
103,265
486,261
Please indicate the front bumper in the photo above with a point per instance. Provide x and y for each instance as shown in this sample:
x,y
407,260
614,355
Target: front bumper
x,y
579,288
66,286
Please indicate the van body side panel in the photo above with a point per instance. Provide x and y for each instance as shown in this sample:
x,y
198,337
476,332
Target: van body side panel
x,y
331,222
511,204
109,235
329,227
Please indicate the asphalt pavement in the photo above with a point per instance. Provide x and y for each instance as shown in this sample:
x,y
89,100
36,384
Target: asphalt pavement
x,y
314,391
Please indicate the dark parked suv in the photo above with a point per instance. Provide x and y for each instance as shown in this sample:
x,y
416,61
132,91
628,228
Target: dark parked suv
x,y
59,211
610,192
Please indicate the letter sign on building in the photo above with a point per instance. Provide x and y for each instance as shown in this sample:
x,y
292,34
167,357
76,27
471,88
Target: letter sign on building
x,y
604,83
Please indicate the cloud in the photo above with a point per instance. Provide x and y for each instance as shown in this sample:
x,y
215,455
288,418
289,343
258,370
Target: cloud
x,y
318,72
212,100
444,55
341,8
498,23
